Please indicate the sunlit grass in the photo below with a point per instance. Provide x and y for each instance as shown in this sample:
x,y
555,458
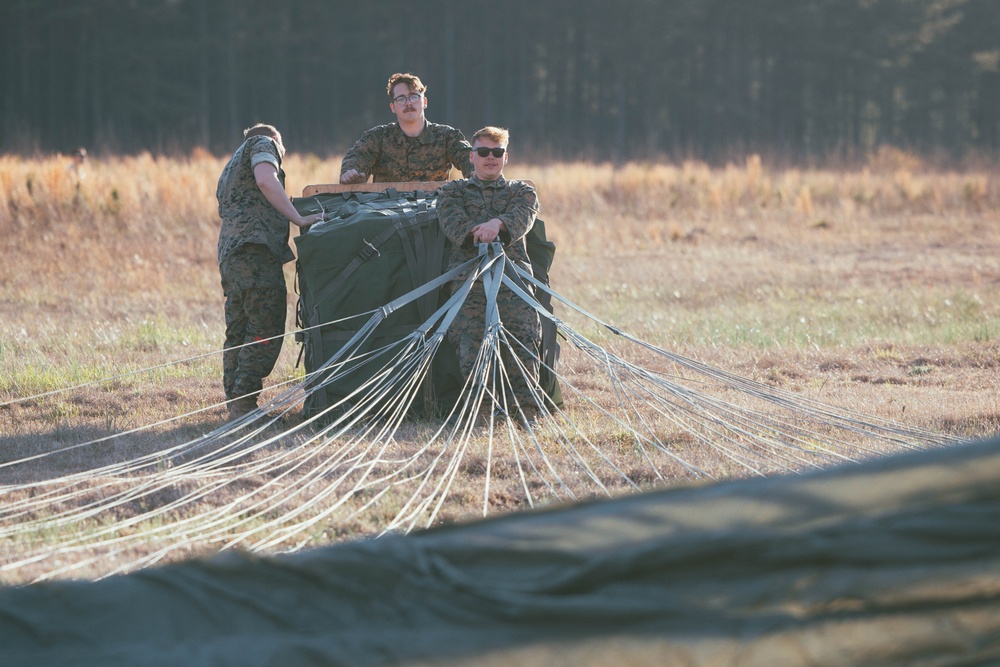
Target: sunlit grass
x,y
876,290
118,270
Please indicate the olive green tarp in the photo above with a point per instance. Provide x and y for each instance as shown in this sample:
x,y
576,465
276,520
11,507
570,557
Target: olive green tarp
x,y
372,248
892,562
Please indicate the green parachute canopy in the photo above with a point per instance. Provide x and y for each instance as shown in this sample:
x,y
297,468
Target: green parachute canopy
x,y
890,562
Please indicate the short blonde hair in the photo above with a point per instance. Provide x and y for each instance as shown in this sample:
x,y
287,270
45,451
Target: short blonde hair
x,y
497,134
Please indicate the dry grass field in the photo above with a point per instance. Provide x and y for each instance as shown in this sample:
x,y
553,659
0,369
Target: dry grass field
x,y
875,289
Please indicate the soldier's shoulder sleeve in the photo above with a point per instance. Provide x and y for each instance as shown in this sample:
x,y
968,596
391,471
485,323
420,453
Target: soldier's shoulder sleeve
x,y
522,189
362,154
451,132
453,188
524,197
451,212
458,151
451,200
262,149
379,131
446,134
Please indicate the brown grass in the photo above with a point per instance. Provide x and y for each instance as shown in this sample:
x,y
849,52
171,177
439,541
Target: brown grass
x,y
876,290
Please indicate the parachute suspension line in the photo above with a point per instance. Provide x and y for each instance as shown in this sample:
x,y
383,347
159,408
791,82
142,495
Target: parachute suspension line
x,y
285,402
462,418
842,418
176,362
134,493
627,397
264,485
436,338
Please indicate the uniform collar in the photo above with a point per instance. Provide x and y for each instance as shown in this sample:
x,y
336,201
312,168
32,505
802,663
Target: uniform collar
x,y
425,136
487,185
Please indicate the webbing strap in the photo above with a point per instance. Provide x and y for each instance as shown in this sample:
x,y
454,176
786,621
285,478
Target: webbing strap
x,y
423,245
366,251
383,332
315,334
433,258
420,264
539,298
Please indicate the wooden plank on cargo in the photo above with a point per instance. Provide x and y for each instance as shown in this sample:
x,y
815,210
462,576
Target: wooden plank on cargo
x,y
400,186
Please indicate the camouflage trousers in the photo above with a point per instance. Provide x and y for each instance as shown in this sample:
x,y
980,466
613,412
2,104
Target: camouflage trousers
x,y
254,285
520,320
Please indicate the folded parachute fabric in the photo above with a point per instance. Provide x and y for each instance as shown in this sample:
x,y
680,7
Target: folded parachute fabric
x,y
892,562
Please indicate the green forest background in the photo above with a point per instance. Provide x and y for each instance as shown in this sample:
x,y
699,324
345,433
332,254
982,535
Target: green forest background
x,y
796,81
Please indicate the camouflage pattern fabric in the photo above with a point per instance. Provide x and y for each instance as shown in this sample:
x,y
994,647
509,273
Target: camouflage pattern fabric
x,y
388,155
465,203
467,331
462,205
254,285
247,216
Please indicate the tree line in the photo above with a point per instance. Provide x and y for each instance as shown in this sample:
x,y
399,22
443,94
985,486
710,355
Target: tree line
x,y
792,80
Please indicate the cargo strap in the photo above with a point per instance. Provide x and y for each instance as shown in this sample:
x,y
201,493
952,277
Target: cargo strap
x,y
314,337
423,244
398,225
358,339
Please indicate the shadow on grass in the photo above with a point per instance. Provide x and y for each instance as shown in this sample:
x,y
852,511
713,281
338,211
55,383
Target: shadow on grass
x,y
68,449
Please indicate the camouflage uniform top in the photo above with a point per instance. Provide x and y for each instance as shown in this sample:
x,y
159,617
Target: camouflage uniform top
x,y
465,203
247,216
389,155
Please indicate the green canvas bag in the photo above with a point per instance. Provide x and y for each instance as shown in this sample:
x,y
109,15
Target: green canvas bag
x,y
373,248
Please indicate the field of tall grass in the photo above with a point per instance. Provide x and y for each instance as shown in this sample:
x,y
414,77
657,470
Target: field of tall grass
x,y
740,265
877,289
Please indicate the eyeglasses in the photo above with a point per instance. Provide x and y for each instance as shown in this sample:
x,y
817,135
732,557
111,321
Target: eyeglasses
x,y
483,151
412,98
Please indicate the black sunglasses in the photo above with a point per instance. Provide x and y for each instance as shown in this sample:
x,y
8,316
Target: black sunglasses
x,y
484,151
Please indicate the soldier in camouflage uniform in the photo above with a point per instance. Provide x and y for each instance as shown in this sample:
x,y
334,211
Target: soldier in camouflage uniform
x,y
412,149
482,209
253,244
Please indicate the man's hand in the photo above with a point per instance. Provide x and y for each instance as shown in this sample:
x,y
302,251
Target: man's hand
x,y
353,176
488,231
306,220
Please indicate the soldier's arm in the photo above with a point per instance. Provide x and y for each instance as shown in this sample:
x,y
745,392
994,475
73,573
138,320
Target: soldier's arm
x,y
458,153
453,218
266,175
360,158
520,212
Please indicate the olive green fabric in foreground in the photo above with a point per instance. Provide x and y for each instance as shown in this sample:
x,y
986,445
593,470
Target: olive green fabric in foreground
x,y
893,562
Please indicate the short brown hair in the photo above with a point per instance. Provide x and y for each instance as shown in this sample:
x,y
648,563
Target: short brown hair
x,y
497,134
262,130
411,80
265,130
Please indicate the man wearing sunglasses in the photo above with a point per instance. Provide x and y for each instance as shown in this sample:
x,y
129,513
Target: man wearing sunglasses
x,y
484,208
412,148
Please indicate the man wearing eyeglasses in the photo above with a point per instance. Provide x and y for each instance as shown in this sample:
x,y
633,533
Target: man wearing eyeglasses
x,y
412,148
484,208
